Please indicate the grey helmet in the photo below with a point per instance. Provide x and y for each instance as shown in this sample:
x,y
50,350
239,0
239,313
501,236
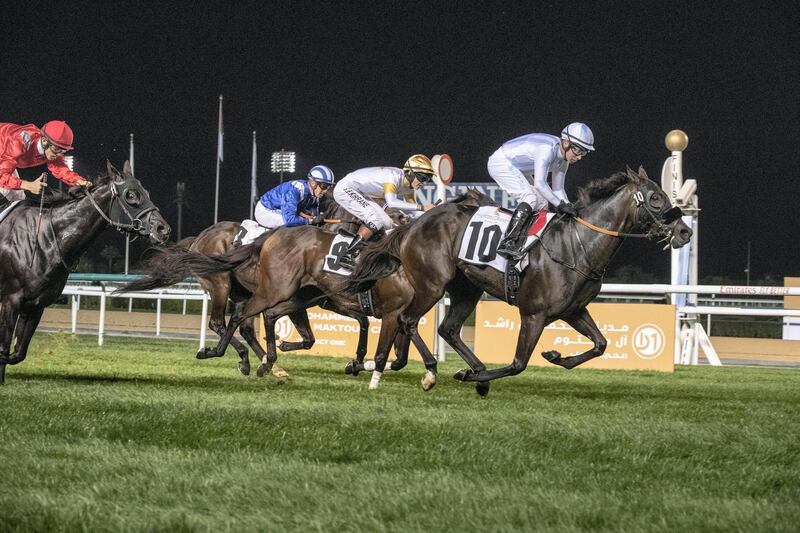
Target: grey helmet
x,y
580,134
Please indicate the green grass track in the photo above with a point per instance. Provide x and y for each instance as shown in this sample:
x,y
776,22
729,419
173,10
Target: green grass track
x,y
140,436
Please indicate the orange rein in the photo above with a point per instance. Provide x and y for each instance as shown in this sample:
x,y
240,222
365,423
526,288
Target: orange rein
x,y
597,229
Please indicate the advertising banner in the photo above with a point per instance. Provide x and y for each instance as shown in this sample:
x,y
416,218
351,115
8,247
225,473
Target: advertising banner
x,y
640,336
337,335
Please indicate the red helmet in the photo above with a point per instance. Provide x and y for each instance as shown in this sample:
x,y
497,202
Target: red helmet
x,y
59,133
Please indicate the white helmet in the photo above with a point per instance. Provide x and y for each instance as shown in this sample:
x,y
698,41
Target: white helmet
x,y
580,134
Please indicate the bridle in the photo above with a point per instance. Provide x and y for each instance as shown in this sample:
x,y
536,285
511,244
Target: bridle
x,y
136,224
661,219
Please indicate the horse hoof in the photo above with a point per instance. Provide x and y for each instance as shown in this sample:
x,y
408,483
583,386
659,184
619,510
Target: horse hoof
x,y
205,353
428,381
14,359
353,368
262,370
244,369
396,365
278,372
482,388
551,355
463,374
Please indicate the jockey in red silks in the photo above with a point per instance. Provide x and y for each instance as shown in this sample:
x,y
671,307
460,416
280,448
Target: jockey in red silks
x,y
29,146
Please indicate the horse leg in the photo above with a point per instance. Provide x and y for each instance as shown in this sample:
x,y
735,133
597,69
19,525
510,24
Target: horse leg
x,y
26,326
355,366
530,331
410,333
6,334
254,305
462,302
584,324
269,357
385,341
303,327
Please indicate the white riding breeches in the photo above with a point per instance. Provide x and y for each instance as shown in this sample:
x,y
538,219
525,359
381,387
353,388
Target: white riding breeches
x,y
362,207
513,181
269,218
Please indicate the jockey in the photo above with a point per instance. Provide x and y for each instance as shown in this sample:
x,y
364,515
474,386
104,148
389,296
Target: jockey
x,y
521,167
29,146
282,205
359,191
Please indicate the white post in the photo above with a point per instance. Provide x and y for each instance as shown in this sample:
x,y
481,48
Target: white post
x,y
203,320
101,328
184,307
158,313
76,304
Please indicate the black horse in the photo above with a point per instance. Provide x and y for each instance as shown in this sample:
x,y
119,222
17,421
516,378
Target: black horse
x,y
565,273
34,265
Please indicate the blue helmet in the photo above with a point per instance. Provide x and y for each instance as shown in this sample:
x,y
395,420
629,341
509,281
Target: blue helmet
x,y
321,174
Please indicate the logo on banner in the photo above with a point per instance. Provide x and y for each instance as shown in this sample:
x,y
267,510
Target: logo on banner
x,y
284,329
648,341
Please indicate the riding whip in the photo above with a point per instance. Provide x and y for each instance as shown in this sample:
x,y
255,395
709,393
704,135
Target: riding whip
x,y
39,218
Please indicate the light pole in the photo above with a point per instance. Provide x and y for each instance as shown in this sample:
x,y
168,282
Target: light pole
x,y
281,162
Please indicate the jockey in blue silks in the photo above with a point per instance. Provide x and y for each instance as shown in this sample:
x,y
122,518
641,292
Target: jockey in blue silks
x,y
282,205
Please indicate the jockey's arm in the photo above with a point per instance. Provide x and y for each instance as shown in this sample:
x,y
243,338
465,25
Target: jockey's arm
x,y
392,201
540,183
8,165
61,171
289,208
558,185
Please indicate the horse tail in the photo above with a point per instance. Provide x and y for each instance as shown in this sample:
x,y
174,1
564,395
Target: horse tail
x,y
376,261
175,263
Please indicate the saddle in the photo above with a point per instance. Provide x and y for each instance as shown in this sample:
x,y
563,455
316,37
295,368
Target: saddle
x,y
249,231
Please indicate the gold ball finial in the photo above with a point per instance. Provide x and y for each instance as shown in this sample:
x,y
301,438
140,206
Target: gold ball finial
x,y
676,141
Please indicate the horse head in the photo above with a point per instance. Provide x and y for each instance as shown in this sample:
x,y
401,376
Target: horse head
x,y
131,209
653,213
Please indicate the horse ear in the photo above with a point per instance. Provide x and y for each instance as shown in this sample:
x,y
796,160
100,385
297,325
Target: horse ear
x,y
126,169
633,176
642,173
111,170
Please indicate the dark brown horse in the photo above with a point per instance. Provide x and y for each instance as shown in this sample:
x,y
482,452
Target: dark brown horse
x,y
287,264
237,285
565,272
34,265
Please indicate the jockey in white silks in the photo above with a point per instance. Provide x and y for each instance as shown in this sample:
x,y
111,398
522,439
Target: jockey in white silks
x,y
521,167
360,191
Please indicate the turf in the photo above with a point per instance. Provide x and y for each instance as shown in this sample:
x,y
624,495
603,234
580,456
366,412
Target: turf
x,y
139,436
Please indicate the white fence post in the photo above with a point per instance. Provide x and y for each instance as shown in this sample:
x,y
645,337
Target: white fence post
x,y
158,314
102,326
76,304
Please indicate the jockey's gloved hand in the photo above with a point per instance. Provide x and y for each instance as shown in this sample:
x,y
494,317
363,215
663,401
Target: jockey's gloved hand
x,y
317,220
567,208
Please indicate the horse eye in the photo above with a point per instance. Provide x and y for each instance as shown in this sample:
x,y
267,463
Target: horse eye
x,y
132,197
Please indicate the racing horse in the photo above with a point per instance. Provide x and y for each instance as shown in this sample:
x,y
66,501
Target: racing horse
x,y
565,272
40,244
237,284
289,276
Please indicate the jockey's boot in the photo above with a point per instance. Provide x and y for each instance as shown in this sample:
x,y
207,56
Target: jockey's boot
x,y
511,245
348,259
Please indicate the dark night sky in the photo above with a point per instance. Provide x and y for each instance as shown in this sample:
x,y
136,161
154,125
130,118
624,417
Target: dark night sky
x,y
352,85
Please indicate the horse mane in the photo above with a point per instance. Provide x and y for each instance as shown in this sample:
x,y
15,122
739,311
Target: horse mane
x,y
56,198
473,197
601,188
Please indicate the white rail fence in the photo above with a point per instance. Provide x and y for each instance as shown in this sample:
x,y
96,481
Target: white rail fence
x,y
689,333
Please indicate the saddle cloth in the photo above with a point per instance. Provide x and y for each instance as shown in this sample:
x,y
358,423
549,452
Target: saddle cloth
x,y
485,231
249,231
339,246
